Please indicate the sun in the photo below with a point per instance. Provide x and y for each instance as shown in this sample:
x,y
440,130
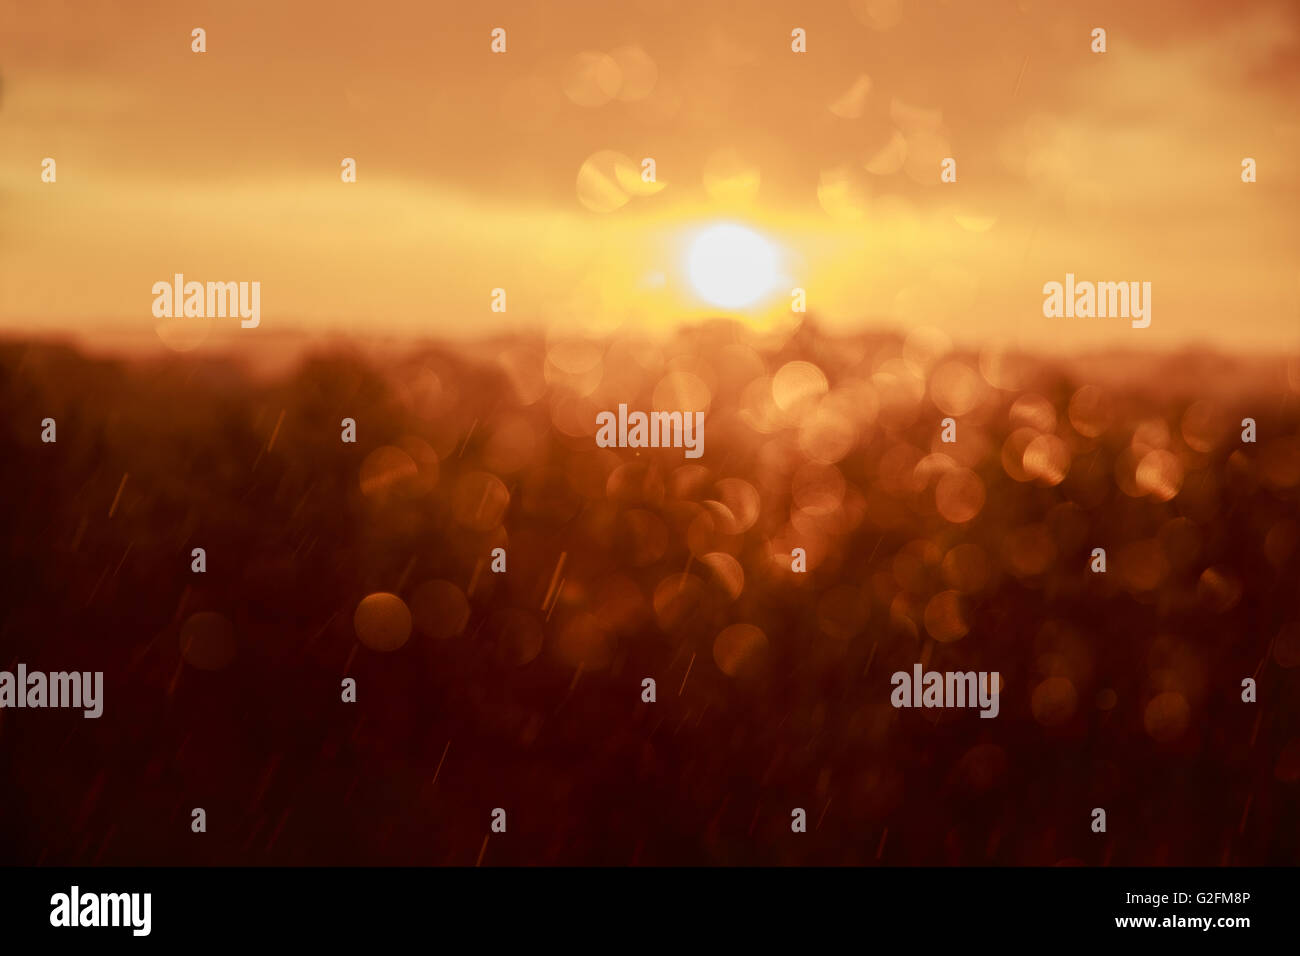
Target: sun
x,y
732,267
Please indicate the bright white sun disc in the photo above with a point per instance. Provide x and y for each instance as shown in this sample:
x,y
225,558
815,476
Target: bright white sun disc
x,y
731,267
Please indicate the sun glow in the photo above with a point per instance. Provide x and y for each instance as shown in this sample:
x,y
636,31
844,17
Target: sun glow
x,y
732,267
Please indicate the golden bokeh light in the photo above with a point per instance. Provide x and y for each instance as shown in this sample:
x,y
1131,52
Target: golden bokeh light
x,y
740,650
382,621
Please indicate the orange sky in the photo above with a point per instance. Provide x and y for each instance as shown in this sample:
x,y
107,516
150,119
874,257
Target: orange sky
x,y
225,165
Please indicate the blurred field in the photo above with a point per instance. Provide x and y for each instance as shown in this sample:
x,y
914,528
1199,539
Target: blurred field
x,y
523,690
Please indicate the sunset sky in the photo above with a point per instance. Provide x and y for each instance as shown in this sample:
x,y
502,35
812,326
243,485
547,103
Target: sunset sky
x,y
478,170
